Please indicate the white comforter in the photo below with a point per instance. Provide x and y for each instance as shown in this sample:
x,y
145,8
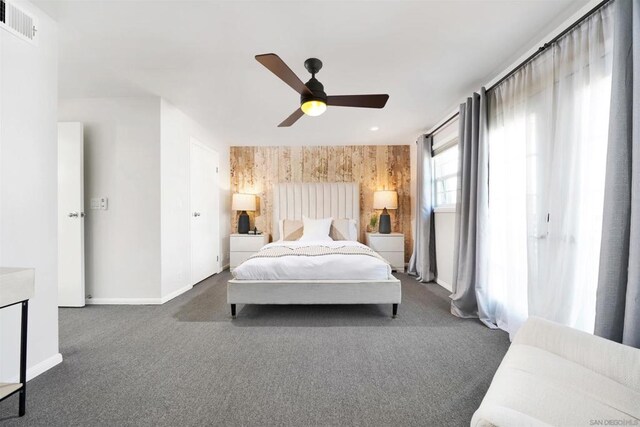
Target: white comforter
x,y
326,267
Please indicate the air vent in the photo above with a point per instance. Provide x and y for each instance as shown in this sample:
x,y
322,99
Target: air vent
x,y
17,22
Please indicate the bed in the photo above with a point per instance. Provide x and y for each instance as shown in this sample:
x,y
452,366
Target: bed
x,y
346,272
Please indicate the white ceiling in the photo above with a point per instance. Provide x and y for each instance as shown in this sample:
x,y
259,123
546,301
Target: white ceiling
x,y
199,55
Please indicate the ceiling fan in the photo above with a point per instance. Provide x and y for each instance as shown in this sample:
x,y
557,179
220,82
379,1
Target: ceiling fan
x,y
313,99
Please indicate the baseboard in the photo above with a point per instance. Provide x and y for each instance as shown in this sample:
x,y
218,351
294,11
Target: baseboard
x,y
444,284
138,301
174,294
124,301
44,366
39,368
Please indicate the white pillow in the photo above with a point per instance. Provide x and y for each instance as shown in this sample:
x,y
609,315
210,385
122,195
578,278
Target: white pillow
x,y
353,229
316,230
344,229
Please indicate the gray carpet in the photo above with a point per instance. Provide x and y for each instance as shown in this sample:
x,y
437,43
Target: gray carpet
x,y
186,363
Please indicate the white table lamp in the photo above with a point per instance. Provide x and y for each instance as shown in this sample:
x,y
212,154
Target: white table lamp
x,y
384,200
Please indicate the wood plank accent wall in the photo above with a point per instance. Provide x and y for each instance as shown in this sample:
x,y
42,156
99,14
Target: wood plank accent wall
x,y
376,167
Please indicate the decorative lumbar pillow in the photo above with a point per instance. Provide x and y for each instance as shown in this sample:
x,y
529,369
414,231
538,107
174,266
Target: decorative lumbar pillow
x,y
344,229
291,229
316,229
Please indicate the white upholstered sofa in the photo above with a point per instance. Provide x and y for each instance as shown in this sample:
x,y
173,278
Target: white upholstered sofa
x,y
555,375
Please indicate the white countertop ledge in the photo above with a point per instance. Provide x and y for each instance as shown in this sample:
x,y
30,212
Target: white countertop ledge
x,y
16,284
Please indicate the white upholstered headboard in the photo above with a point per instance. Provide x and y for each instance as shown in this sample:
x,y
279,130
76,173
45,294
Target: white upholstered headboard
x,y
315,200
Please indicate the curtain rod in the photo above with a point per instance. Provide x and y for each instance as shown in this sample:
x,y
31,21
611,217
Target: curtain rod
x,y
443,124
550,43
529,58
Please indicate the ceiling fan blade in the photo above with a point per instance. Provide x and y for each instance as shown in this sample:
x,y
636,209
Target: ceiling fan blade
x,y
362,101
277,66
291,119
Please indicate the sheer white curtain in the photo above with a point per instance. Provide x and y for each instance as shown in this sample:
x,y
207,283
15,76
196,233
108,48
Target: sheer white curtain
x,y
547,143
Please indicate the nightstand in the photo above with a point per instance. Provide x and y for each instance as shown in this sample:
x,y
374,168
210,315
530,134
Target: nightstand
x,y
242,246
390,247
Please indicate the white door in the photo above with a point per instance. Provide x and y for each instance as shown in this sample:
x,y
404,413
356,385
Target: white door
x,y
70,215
205,241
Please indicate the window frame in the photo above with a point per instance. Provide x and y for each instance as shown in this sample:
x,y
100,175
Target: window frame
x,y
440,149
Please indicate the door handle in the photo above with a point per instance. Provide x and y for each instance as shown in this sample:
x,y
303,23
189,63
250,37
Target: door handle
x,y
73,214
196,214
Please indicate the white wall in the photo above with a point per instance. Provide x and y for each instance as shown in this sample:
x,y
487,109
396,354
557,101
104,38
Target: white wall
x,y
28,190
176,132
137,154
445,234
122,163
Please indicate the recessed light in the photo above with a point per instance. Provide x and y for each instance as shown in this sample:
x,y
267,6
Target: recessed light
x,y
374,128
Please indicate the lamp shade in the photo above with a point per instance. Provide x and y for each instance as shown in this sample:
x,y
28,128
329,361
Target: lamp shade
x,y
243,202
385,199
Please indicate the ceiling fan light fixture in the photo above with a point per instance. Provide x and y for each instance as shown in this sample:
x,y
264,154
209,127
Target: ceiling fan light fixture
x,y
313,107
313,98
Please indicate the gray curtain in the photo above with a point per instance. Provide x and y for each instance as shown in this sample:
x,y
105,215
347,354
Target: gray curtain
x,y
618,297
423,259
470,255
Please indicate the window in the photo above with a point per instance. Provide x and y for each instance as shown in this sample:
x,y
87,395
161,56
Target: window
x,y
445,176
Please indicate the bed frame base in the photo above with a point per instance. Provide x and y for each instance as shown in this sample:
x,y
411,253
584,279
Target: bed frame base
x,y
393,316
314,292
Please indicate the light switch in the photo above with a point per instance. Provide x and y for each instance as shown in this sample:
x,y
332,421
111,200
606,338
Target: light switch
x,y
100,203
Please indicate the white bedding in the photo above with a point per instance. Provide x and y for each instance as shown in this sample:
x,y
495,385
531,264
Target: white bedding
x,y
326,267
